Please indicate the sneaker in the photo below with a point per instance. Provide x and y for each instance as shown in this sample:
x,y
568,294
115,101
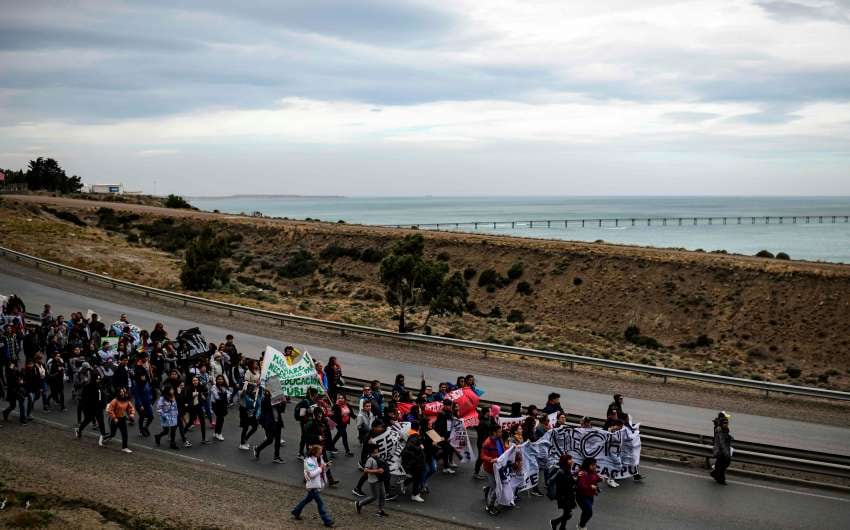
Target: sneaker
x,y
187,443
100,441
637,477
283,442
492,511
277,460
296,517
416,498
244,447
449,471
77,433
301,457
206,442
453,466
612,483
382,513
391,498
536,493
333,483
126,450
220,437
358,492
357,506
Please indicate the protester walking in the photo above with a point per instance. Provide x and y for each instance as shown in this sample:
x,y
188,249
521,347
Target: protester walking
x,y
587,490
271,419
722,447
91,404
248,411
194,396
166,406
491,450
121,412
315,469
220,398
564,486
374,470
341,415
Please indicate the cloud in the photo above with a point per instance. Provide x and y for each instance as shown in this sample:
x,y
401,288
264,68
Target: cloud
x,y
816,10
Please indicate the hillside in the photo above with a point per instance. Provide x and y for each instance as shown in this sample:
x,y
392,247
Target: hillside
x,y
748,317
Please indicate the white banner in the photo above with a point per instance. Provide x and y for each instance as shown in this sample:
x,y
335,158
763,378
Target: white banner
x,y
390,445
284,379
509,475
617,453
459,440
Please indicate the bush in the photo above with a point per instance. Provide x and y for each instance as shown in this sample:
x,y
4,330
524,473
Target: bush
x,y
524,328
132,238
488,278
176,201
764,254
496,312
202,262
372,255
300,263
65,216
516,271
516,316
333,252
524,288
632,334
167,235
703,341
782,255
793,372
469,273
443,256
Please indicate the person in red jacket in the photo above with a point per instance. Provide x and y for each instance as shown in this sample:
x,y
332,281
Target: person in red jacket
x,y
491,450
586,490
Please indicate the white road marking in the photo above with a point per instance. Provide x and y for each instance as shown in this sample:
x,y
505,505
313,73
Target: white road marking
x,y
750,484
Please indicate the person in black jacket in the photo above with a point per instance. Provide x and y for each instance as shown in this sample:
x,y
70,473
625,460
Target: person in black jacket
x,y
15,393
121,374
91,402
722,448
565,492
271,419
442,425
413,462
194,395
303,415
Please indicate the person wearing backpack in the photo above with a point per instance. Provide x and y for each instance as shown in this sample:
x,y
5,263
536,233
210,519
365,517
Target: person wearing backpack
x,y
562,488
374,469
315,469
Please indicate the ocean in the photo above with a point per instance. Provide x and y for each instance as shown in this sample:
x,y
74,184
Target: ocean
x,y
813,241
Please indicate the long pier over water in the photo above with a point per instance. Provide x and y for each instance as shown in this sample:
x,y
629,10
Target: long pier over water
x,y
634,221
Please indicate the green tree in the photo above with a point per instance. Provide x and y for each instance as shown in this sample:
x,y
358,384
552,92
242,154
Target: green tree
x,y
202,268
47,174
176,201
413,281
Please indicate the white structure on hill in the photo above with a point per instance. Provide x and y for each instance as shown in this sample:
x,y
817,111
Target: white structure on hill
x,y
110,189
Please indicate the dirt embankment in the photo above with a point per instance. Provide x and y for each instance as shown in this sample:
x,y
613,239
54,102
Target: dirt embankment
x,y
748,317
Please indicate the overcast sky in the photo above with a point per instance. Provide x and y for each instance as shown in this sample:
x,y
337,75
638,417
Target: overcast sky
x,y
463,97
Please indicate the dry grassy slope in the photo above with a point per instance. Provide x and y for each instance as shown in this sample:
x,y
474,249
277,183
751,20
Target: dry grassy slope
x,y
764,315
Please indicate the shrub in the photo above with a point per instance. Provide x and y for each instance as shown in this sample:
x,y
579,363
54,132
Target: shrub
x,y
65,216
524,328
764,254
703,341
443,256
167,235
488,278
176,201
793,372
782,255
577,281
524,288
333,252
516,316
202,262
132,237
372,255
300,263
632,334
496,312
469,273
516,271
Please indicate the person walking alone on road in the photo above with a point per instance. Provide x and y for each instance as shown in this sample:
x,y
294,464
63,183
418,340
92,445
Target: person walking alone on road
x,y
315,469
722,447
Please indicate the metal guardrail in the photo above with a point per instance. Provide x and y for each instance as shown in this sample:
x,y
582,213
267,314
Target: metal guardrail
x,y
344,328
775,457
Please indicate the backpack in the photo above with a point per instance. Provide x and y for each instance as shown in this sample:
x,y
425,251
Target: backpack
x,y
383,465
552,486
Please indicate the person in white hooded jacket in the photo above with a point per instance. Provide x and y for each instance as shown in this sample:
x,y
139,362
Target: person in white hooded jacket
x,y
315,480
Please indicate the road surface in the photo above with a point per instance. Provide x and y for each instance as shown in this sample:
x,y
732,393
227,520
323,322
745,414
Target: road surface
x,y
773,431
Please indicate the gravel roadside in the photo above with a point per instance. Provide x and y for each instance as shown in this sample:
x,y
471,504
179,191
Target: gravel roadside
x,y
145,489
589,379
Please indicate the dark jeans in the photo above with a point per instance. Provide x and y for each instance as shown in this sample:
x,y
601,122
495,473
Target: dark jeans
x,y
720,465
341,432
313,495
416,480
22,409
272,435
586,505
197,413
561,522
249,427
479,442
171,432
115,425
97,418
219,424
57,393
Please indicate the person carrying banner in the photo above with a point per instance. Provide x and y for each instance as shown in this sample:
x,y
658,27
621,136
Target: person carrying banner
x,y
564,485
491,450
586,490
315,470
374,470
722,447
443,425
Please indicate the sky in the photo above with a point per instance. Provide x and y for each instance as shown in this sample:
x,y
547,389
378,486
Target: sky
x,y
408,97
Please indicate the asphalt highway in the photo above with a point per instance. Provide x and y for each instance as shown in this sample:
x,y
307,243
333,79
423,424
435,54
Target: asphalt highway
x,y
773,431
669,497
